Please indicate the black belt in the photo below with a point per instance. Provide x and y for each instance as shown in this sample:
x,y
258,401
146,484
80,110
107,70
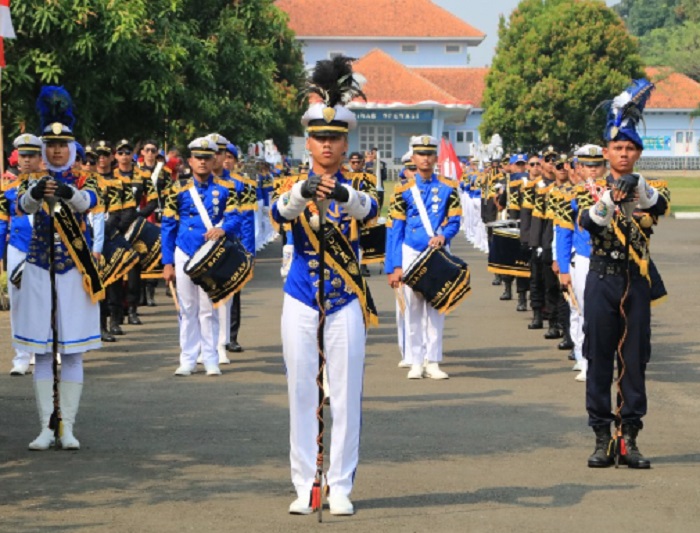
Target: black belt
x,y
612,268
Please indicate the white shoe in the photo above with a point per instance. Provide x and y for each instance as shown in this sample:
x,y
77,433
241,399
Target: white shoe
x,y
416,372
44,441
577,367
223,358
404,364
340,505
68,440
184,371
300,506
199,359
581,376
213,371
432,371
20,370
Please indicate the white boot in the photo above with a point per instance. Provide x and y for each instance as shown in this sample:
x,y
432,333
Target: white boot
x,y
43,390
70,400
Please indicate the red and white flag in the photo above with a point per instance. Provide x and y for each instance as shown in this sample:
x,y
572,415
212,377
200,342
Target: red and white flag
x,y
7,31
448,161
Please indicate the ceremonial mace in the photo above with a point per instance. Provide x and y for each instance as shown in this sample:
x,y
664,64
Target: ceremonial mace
x,y
316,490
55,422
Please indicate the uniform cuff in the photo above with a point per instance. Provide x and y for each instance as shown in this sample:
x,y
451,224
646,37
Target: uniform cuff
x,y
291,204
358,205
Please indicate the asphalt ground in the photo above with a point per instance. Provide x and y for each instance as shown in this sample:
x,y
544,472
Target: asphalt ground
x,y
500,446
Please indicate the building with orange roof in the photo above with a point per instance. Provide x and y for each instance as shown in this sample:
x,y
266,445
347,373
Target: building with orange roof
x,y
414,57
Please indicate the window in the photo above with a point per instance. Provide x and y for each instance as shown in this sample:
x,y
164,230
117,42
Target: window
x,y
409,48
453,49
446,135
465,136
333,55
380,136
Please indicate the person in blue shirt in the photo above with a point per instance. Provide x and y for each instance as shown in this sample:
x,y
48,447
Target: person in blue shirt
x,y
183,231
349,201
410,237
19,227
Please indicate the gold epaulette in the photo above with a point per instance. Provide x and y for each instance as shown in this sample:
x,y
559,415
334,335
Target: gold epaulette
x,y
403,188
447,181
245,179
224,183
352,176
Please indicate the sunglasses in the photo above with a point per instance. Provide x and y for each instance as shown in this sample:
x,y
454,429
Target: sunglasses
x,y
91,162
123,152
535,164
150,150
549,159
560,166
355,162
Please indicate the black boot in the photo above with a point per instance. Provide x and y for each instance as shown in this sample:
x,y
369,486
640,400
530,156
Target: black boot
x,y
567,343
522,302
602,455
497,280
507,292
150,295
537,322
134,319
553,332
142,296
633,457
104,332
115,321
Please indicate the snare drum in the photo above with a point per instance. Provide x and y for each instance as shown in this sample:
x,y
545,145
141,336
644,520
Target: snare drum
x,y
506,255
373,244
221,268
118,258
440,277
144,237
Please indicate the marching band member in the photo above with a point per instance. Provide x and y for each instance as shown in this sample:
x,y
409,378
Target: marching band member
x,y
19,227
347,308
426,212
61,199
203,202
620,224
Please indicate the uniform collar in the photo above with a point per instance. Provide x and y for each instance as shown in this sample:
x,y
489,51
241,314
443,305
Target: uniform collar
x,y
204,185
420,179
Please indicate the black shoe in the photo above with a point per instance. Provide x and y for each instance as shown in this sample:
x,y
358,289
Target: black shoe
x,y
567,343
234,347
537,322
134,319
107,336
497,280
365,271
522,302
602,456
633,457
168,293
507,293
114,327
571,356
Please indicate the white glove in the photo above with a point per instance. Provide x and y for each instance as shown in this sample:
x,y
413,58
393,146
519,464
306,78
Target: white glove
x,y
648,196
602,212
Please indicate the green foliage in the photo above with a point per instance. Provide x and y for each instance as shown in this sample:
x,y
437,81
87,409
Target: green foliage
x,y
643,16
169,69
557,60
676,47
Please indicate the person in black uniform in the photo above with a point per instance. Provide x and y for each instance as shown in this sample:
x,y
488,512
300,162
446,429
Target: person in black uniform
x,y
620,224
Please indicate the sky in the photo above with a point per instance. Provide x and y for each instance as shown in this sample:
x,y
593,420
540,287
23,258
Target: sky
x,y
486,20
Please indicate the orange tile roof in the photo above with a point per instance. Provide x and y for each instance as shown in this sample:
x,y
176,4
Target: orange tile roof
x,y
389,81
375,18
673,90
465,83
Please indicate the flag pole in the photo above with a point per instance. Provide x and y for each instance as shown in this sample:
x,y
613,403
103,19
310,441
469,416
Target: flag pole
x,y
2,140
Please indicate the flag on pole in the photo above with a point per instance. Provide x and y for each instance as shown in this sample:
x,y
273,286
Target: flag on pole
x,y
448,161
7,31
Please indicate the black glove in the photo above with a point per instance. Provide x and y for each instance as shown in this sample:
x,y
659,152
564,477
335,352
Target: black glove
x,y
37,192
308,188
339,193
627,185
64,191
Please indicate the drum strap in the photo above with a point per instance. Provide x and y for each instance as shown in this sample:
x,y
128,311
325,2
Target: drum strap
x,y
202,211
422,211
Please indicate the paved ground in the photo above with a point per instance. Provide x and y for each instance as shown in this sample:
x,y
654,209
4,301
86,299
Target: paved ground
x,y
501,446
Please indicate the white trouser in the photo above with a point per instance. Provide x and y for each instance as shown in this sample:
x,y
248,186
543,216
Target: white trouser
x,y
71,367
344,335
259,232
423,325
400,326
224,317
199,324
579,272
14,258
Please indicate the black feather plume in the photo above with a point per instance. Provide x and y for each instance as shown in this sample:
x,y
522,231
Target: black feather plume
x,y
333,81
55,105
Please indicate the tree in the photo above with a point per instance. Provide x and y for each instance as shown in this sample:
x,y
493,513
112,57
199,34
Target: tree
x,y
556,60
643,16
169,69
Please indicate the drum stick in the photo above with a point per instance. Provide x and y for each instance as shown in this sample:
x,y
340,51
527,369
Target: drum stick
x,y
571,298
400,299
173,293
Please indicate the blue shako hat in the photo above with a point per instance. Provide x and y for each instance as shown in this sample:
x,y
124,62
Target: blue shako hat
x,y
625,113
55,108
